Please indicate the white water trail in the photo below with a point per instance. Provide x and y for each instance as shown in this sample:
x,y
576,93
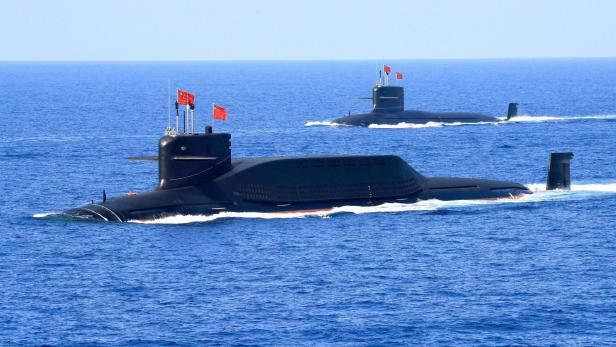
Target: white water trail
x,y
324,123
526,118
588,187
424,125
516,119
427,205
46,214
577,192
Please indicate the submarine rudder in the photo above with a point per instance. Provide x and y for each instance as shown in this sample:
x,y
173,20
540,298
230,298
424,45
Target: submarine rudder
x,y
198,176
388,109
512,110
559,171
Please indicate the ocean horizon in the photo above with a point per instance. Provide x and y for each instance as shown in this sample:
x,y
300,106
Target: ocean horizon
x,y
533,271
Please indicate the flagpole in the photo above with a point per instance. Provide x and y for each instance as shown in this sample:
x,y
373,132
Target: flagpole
x,y
386,79
177,114
168,104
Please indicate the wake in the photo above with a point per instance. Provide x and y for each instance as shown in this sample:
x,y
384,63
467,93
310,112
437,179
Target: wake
x,y
516,119
577,192
324,123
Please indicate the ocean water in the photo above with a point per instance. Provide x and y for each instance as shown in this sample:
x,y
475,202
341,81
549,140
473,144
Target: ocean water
x,y
535,271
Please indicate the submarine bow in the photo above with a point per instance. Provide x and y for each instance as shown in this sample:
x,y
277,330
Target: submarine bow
x,y
388,108
197,175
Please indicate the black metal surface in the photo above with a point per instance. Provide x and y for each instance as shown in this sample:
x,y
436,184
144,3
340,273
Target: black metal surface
x,y
559,176
209,182
388,108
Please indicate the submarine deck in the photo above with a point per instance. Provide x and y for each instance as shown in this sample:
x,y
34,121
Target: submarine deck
x,y
415,116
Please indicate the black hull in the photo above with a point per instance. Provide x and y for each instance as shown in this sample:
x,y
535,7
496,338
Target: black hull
x,y
388,109
198,177
241,190
103,212
414,117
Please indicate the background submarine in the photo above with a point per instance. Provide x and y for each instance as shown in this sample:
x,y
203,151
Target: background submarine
x,y
388,108
197,175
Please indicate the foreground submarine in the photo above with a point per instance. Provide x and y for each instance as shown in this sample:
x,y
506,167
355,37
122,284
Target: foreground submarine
x,y
388,109
197,175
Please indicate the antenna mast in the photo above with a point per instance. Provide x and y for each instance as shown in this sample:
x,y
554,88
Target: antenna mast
x,y
168,104
177,114
192,121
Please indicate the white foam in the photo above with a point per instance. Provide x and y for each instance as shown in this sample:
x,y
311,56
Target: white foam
x,y
324,123
590,187
530,119
45,214
423,125
404,125
516,119
578,192
526,118
427,205
595,187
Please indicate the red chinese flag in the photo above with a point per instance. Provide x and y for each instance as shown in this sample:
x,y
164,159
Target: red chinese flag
x,y
219,112
185,98
398,75
387,69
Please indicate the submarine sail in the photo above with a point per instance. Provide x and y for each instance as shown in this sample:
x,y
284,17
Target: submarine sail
x,y
388,109
198,175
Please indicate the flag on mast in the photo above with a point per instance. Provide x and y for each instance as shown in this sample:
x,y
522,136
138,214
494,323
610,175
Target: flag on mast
x,y
219,112
399,75
185,98
387,69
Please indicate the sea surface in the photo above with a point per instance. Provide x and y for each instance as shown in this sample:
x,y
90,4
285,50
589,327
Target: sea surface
x,y
537,271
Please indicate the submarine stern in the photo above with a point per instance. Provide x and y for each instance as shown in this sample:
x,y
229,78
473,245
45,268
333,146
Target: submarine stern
x,y
456,188
388,109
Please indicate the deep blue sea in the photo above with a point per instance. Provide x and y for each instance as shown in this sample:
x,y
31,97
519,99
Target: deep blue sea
x,y
538,271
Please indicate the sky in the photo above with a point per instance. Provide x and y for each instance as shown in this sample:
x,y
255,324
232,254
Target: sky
x,y
155,30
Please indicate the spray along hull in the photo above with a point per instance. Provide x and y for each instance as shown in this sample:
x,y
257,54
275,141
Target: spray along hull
x,y
388,109
304,184
114,213
414,117
198,176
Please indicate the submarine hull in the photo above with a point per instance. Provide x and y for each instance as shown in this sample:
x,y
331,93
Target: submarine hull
x,y
414,117
388,109
198,177
302,184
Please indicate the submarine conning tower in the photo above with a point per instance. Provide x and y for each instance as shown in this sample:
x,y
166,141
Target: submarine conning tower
x,y
387,99
191,159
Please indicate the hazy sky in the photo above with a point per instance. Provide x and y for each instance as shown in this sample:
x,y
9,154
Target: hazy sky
x,y
312,29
